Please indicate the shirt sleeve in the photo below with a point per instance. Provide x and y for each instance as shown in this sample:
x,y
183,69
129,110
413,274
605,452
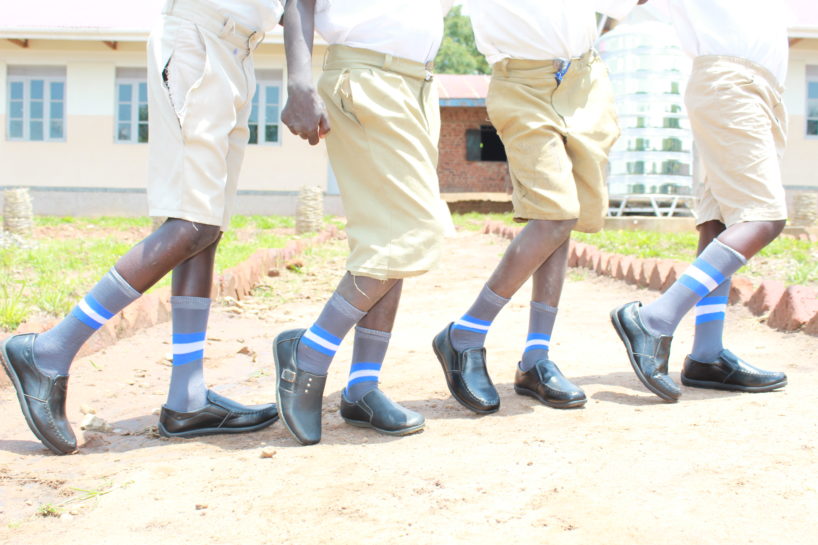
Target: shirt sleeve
x,y
616,9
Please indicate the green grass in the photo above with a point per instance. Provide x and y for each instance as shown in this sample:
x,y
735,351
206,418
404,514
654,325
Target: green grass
x,y
52,276
789,260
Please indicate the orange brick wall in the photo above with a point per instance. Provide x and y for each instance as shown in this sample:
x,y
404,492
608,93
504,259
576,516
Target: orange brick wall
x,y
455,172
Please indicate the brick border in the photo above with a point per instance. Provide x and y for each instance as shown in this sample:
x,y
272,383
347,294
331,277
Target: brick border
x,y
786,308
154,308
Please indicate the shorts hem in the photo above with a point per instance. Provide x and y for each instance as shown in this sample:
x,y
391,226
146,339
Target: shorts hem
x,y
187,216
380,274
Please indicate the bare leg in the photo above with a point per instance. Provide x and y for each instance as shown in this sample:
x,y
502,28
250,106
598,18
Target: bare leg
x,y
381,316
363,292
751,237
194,276
548,280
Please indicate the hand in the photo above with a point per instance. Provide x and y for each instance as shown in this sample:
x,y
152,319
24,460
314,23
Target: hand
x,y
305,114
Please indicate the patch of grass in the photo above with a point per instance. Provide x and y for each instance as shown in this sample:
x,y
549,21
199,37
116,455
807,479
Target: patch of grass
x,y
474,221
53,275
49,510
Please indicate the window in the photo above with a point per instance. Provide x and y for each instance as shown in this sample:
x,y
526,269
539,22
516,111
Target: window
x,y
812,106
484,145
265,115
131,105
36,103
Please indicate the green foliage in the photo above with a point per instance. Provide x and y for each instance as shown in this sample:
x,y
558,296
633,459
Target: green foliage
x,y
458,54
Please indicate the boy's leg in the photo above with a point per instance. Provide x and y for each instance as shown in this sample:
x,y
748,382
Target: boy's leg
x,y
362,402
38,364
537,376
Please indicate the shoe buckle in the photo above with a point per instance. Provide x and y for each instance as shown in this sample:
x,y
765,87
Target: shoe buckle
x,y
288,375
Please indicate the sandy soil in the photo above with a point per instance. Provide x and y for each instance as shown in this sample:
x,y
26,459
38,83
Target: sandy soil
x,y
714,468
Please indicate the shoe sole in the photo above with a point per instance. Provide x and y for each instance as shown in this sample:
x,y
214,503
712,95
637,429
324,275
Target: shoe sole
x,y
568,405
281,415
18,387
215,431
732,387
442,361
629,349
401,432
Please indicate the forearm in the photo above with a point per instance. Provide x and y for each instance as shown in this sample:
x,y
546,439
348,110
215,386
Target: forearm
x,y
299,26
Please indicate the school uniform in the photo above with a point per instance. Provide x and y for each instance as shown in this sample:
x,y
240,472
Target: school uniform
x,y
201,82
557,120
384,111
734,103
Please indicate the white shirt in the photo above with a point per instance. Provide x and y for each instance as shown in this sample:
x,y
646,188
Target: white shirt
x,y
408,29
539,29
259,15
755,30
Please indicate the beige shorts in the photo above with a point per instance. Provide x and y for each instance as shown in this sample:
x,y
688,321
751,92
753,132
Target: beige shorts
x,y
557,138
385,119
200,87
739,124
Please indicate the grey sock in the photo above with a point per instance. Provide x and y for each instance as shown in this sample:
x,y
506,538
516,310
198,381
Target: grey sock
x,y
55,349
471,329
710,312
187,391
540,325
321,341
713,266
367,358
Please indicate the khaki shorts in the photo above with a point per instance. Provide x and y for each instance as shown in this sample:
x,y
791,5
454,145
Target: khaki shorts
x,y
740,124
557,138
385,119
200,87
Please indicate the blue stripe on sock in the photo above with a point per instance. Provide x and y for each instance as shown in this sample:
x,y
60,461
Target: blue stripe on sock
x,y
709,270
712,317
371,378
694,285
472,329
714,300
324,334
365,366
475,320
317,347
181,359
77,313
99,309
538,337
179,338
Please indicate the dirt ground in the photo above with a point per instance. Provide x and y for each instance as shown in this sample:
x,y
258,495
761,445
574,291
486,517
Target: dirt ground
x,y
715,468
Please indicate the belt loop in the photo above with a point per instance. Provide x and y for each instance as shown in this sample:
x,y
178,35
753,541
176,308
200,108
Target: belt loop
x,y
502,67
387,62
326,58
229,27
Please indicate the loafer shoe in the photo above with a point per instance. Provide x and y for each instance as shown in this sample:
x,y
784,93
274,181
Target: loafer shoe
x,y
220,415
729,372
647,352
375,410
466,374
41,397
546,383
298,392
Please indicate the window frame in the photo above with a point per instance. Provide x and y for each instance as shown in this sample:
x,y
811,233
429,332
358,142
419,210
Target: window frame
x,y
134,121
807,118
260,112
26,80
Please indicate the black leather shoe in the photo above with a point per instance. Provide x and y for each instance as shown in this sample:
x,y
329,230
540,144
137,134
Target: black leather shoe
x,y
466,374
648,353
220,415
41,397
299,393
545,382
375,410
729,372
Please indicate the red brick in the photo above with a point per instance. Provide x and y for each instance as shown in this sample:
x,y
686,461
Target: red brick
x,y
601,264
633,272
648,265
659,274
613,264
676,271
741,290
812,326
623,267
573,254
766,297
795,308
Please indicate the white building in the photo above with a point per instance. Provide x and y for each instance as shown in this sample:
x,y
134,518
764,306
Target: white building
x,y
73,110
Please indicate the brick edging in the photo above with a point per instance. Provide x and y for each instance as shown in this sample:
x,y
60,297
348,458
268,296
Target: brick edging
x,y
787,308
154,308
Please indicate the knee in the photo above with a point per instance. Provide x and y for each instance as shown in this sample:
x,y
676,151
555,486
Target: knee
x,y
559,229
776,228
195,236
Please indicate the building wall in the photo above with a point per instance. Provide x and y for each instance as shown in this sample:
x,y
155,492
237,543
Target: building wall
x,y
455,172
800,166
90,162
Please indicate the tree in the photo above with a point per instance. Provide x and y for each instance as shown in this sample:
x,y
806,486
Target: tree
x,y
458,54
